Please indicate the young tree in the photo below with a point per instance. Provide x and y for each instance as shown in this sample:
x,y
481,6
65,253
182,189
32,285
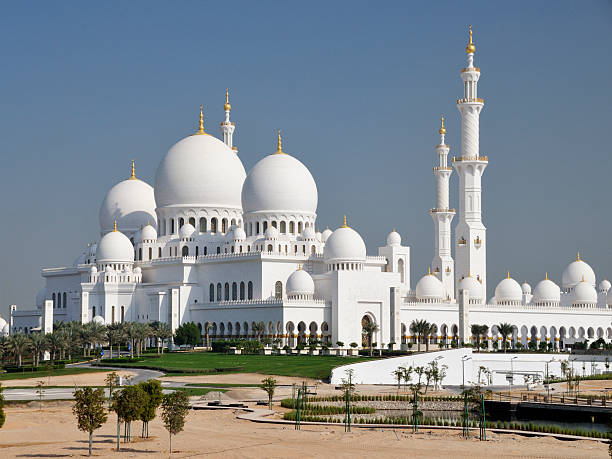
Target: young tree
x,y
128,404
89,410
40,390
259,328
269,386
2,413
399,374
153,398
175,407
369,328
111,383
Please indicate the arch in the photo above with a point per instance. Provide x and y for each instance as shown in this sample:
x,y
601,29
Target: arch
x,y
185,251
64,299
227,291
562,333
609,332
301,329
159,252
54,300
233,222
242,290
290,327
245,327
224,225
222,329
524,335
202,224
237,328
312,329
197,254
219,296
234,291
278,290
299,227
172,229
274,224
59,300
122,314
257,228
112,314
265,227
214,329
572,332
211,292
365,320
400,268
150,253
533,333
230,329
581,333
292,227
271,329
270,248
205,250
600,332
213,225
543,333
590,333
313,250
250,290
181,222
192,221
200,328
283,227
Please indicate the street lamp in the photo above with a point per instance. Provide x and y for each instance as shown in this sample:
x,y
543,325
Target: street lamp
x,y
548,379
464,359
512,373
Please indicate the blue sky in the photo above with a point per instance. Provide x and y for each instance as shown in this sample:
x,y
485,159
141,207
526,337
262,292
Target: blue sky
x,y
357,88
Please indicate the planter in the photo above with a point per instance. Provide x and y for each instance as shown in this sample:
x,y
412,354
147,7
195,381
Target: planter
x,y
327,351
313,351
303,352
265,351
352,352
234,350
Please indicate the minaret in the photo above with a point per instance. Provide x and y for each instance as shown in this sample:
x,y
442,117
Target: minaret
x,y
470,233
443,264
227,127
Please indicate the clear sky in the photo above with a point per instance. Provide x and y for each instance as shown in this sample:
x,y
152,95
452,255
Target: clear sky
x,y
357,88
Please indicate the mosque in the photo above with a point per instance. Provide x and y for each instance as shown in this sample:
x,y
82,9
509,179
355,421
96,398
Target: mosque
x,y
226,249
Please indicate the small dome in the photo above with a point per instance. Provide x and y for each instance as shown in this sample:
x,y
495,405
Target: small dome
x,y
115,247
98,320
300,283
429,287
186,231
526,288
131,203
325,234
318,236
137,270
394,239
344,244
271,233
238,234
604,286
472,286
308,234
584,293
93,270
41,296
609,298
109,269
508,290
574,273
148,233
546,291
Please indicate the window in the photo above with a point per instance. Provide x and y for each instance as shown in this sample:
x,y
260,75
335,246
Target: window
x,y
185,251
59,300
54,302
181,222
313,250
242,290
219,291
159,252
292,227
113,315
205,250
256,227
250,290
300,227
150,253
64,300
211,296
278,290
283,227
122,313
202,225
140,253
270,248
197,251
234,291
233,222
265,226
226,291
218,250
224,225
274,224
93,312
172,226
213,225
192,221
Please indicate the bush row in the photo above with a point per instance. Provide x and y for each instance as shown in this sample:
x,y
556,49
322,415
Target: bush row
x,y
388,398
29,369
309,408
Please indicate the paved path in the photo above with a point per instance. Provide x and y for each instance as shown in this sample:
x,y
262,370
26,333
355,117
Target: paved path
x,y
141,375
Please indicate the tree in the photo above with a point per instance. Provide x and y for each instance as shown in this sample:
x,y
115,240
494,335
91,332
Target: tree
x,y
269,386
175,407
128,404
188,333
40,390
19,344
2,413
505,329
111,383
420,328
153,398
161,331
399,374
207,328
428,330
369,328
39,344
89,410
258,329
478,331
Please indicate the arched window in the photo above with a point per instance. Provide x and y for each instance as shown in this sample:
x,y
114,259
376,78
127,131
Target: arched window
x,y
202,225
181,222
292,227
213,225
283,227
192,221
233,222
278,290
54,302
172,226
270,248
219,291
150,253
300,228
93,312
59,300
113,315
159,252
64,300
211,296
185,251
313,250
197,251
256,227
224,225
234,291
242,290
227,291
205,250
274,224
400,267
122,313
265,226
250,290
218,250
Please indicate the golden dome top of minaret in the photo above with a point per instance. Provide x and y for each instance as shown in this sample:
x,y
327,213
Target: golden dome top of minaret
x,y
470,48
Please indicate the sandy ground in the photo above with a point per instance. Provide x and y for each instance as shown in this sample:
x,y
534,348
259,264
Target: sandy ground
x,y
83,379
52,432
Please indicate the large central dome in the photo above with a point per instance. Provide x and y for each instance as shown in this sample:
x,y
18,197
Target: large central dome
x,y
201,171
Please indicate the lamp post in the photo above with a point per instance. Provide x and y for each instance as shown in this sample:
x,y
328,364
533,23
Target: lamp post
x,y
512,374
548,379
464,359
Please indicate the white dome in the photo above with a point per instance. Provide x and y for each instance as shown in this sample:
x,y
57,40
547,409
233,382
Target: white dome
x,y
130,202
574,273
137,270
318,236
344,244
309,234
115,247
98,320
238,234
109,269
584,293
472,286
41,296
186,231
148,233
325,234
279,183
604,286
199,170
5,329
271,233
526,288
394,239
429,287
546,291
508,290
300,283
93,270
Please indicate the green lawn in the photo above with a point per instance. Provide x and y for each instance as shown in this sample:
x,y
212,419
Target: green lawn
x,y
305,366
44,374
194,391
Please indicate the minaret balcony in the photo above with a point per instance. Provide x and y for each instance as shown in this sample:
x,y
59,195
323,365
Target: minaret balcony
x,y
438,210
484,159
461,241
442,168
471,69
478,100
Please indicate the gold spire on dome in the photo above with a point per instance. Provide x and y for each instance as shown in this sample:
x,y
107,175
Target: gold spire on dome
x,y
227,107
546,276
508,275
115,226
578,257
442,128
201,127
470,48
133,174
300,267
344,225
279,144
469,273
429,271
583,278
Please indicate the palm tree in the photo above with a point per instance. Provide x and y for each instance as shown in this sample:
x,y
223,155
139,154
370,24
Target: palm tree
x,y
164,332
131,332
478,331
258,329
207,327
39,345
505,329
429,330
419,328
54,343
19,344
369,328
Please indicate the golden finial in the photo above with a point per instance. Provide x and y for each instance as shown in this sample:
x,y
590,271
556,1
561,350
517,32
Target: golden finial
x,y
201,128
227,107
115,226
583,278
578,257
344,225
470,48
508,275
442,128
546,276
300,267
279,144
469,273
387,268
429,271
133,175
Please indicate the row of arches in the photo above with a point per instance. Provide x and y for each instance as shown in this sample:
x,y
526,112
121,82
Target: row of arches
x,y
202,225
238,292
60,300
283,226
120,318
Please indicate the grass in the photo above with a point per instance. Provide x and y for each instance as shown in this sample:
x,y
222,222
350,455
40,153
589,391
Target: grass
x,y
194,391
214,385
305,366
45,374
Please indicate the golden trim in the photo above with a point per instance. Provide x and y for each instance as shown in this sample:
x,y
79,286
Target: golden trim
x,y
115,226
467,158
471,69
479,100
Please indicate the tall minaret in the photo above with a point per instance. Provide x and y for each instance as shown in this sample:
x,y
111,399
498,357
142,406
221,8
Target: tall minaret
x,y
470,233
227,127
443,265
